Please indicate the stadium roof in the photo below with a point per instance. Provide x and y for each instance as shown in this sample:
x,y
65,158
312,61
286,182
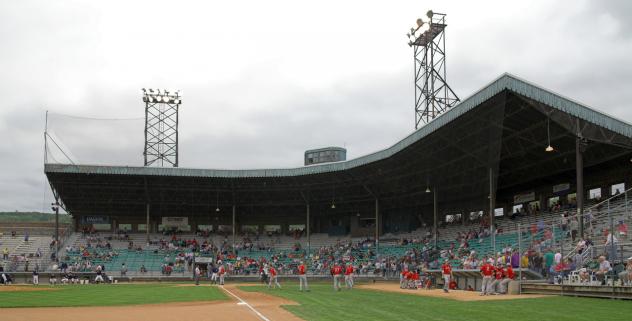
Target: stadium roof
x,y
504,82
502,127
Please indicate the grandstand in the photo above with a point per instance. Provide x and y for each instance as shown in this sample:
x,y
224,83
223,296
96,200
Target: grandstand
x,y
481,169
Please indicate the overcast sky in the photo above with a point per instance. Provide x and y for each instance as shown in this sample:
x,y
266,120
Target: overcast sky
x,y
264,80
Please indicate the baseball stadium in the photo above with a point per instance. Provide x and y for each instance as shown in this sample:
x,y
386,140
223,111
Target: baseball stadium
x,y
511,203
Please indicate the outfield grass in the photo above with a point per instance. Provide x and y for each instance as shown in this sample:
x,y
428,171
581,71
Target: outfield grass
x,y
109,295
322,303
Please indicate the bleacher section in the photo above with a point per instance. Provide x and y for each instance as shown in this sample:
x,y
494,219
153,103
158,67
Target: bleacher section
x,y
288,250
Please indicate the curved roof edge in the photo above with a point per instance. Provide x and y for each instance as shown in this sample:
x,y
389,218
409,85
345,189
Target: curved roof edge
x,y
505,81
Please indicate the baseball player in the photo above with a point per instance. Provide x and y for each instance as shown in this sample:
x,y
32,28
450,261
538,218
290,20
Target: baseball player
x,y
99,277
35,277
222,273
263,271
447,275
197,275
402,278
214,274
349,276
273,278
487,270
302,277
509,275
498,277
336,272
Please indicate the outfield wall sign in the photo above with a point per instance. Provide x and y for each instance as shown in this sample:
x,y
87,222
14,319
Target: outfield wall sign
x,y
175,221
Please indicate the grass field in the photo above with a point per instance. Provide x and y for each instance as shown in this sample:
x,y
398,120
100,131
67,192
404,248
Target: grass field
x,y
109,295
322,304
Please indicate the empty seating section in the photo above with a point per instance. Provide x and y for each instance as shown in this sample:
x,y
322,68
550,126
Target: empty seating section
x,y
36,251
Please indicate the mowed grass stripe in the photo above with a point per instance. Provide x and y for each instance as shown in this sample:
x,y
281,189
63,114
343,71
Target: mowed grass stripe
x,y
109,295
323,304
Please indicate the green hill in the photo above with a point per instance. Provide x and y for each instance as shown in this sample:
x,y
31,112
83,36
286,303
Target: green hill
x,y
13,217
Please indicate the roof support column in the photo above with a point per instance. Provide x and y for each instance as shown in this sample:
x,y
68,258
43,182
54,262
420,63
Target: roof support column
x,y
579,170
234,229
435,213
491,209
147,225
377,226
56,207
307,228
307,223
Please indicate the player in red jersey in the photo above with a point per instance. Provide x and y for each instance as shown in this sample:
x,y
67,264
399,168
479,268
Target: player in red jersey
x,y
487,270
349,276
498,277
222,273
336,272
446,270
402,279
302,277
273,278
509,275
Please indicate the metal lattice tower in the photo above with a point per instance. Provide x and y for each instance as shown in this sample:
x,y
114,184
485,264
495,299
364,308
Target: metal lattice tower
x,y
433,95
161,127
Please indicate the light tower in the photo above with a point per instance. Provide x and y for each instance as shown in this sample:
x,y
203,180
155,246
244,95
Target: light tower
x,y
433,95
161,127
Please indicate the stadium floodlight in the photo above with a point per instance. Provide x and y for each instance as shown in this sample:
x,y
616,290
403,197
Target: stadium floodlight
x,y
217,209
333,206
161,126
428,189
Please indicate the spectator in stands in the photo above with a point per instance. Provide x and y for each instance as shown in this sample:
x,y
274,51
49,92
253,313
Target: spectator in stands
x,y
626,275
623,230
5,253
603,270
578,259
584,275
557,258
123,269
574,225
611,246
548,261
143,269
